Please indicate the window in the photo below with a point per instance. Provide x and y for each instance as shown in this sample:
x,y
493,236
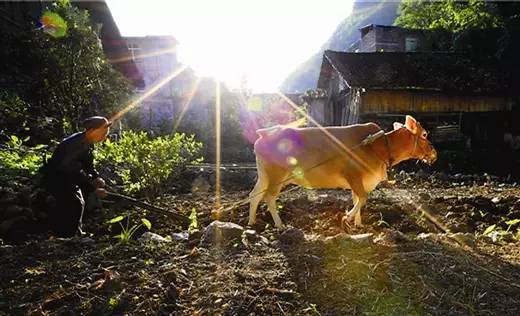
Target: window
x,y
135,50
411,44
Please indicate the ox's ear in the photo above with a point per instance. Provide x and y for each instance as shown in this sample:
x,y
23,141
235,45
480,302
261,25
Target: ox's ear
x,y
397,125
411,124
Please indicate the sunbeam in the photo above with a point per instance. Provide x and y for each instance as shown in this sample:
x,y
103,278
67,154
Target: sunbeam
x,y
186,104
154,88
217,146
171,50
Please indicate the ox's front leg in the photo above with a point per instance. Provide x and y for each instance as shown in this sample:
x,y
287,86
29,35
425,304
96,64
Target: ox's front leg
x,y
255,197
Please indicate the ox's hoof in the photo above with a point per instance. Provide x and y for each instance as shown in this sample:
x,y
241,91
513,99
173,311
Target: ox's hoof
x,y
345,223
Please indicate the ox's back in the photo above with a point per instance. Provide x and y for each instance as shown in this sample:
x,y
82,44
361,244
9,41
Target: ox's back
x,y
311,157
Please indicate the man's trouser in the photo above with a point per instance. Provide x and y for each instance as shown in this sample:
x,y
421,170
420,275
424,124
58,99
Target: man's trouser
x,y
65,219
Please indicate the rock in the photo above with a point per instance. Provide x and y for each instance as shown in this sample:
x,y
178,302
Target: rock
x,y
250,236
367,238
112,283
292,236
221,232
393,236
357,239
182,236
464,238
6,249
424,196
331,239
442,176
12,211
86,241
421,174
423,236
152,237
492,237
7,197
24,196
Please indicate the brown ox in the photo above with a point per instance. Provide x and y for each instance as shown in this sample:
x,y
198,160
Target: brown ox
x,y
354,157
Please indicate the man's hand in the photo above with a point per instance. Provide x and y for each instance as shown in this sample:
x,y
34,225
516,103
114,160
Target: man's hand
x,y
101,193
98,182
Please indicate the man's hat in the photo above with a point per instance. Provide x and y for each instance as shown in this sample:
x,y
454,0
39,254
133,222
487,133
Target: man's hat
x,y
96,122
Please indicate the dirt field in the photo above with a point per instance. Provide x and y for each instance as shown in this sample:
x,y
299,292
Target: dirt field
x,y
413,264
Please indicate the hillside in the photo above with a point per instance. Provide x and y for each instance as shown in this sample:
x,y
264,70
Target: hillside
x,y
363,13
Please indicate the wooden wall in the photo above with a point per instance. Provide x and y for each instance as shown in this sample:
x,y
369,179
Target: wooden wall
x,y
403,101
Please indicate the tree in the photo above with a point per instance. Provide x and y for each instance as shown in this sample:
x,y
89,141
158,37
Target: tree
x,y
450,15
65,78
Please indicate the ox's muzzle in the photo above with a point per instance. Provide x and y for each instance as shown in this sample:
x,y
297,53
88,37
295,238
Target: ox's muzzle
x,y
431,157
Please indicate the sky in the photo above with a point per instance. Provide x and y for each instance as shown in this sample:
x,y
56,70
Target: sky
x,y
262,41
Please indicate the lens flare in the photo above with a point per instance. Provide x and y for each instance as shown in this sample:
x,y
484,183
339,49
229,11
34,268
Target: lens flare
x,y
53,24
292,161
346,152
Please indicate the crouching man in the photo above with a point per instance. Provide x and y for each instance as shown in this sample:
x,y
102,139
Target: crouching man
x,y
71,171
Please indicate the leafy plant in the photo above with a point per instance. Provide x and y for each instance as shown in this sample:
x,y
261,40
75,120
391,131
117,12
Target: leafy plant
x,y
143,164
497,233
381,222
16,158
194,225
511,223
126,231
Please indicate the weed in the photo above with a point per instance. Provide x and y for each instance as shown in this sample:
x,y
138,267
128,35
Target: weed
x,y
126,231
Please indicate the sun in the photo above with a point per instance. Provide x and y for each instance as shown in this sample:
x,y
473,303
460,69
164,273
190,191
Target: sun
x,y
261,41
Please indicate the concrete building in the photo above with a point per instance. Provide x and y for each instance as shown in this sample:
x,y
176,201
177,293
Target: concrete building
x,y
156,59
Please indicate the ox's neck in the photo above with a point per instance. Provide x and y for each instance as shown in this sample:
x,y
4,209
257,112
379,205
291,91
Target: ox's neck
x,y
394,147
401,143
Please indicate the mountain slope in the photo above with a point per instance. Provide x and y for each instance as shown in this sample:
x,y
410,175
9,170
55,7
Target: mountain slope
x,y
363,13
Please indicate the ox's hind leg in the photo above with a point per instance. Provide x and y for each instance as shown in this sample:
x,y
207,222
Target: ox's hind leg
x,y
270,197
257,194
359,197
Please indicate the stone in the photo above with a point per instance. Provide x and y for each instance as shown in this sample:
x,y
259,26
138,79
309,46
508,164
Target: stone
x,y
424,196
221,232
464,238
7,197
152,237
250,236
86,241
292,236
12,211
393,236
423,236
182,236
361,239
367,238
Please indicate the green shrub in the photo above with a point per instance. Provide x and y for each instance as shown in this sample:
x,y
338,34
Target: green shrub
x,y
143,164
18,159
13,114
